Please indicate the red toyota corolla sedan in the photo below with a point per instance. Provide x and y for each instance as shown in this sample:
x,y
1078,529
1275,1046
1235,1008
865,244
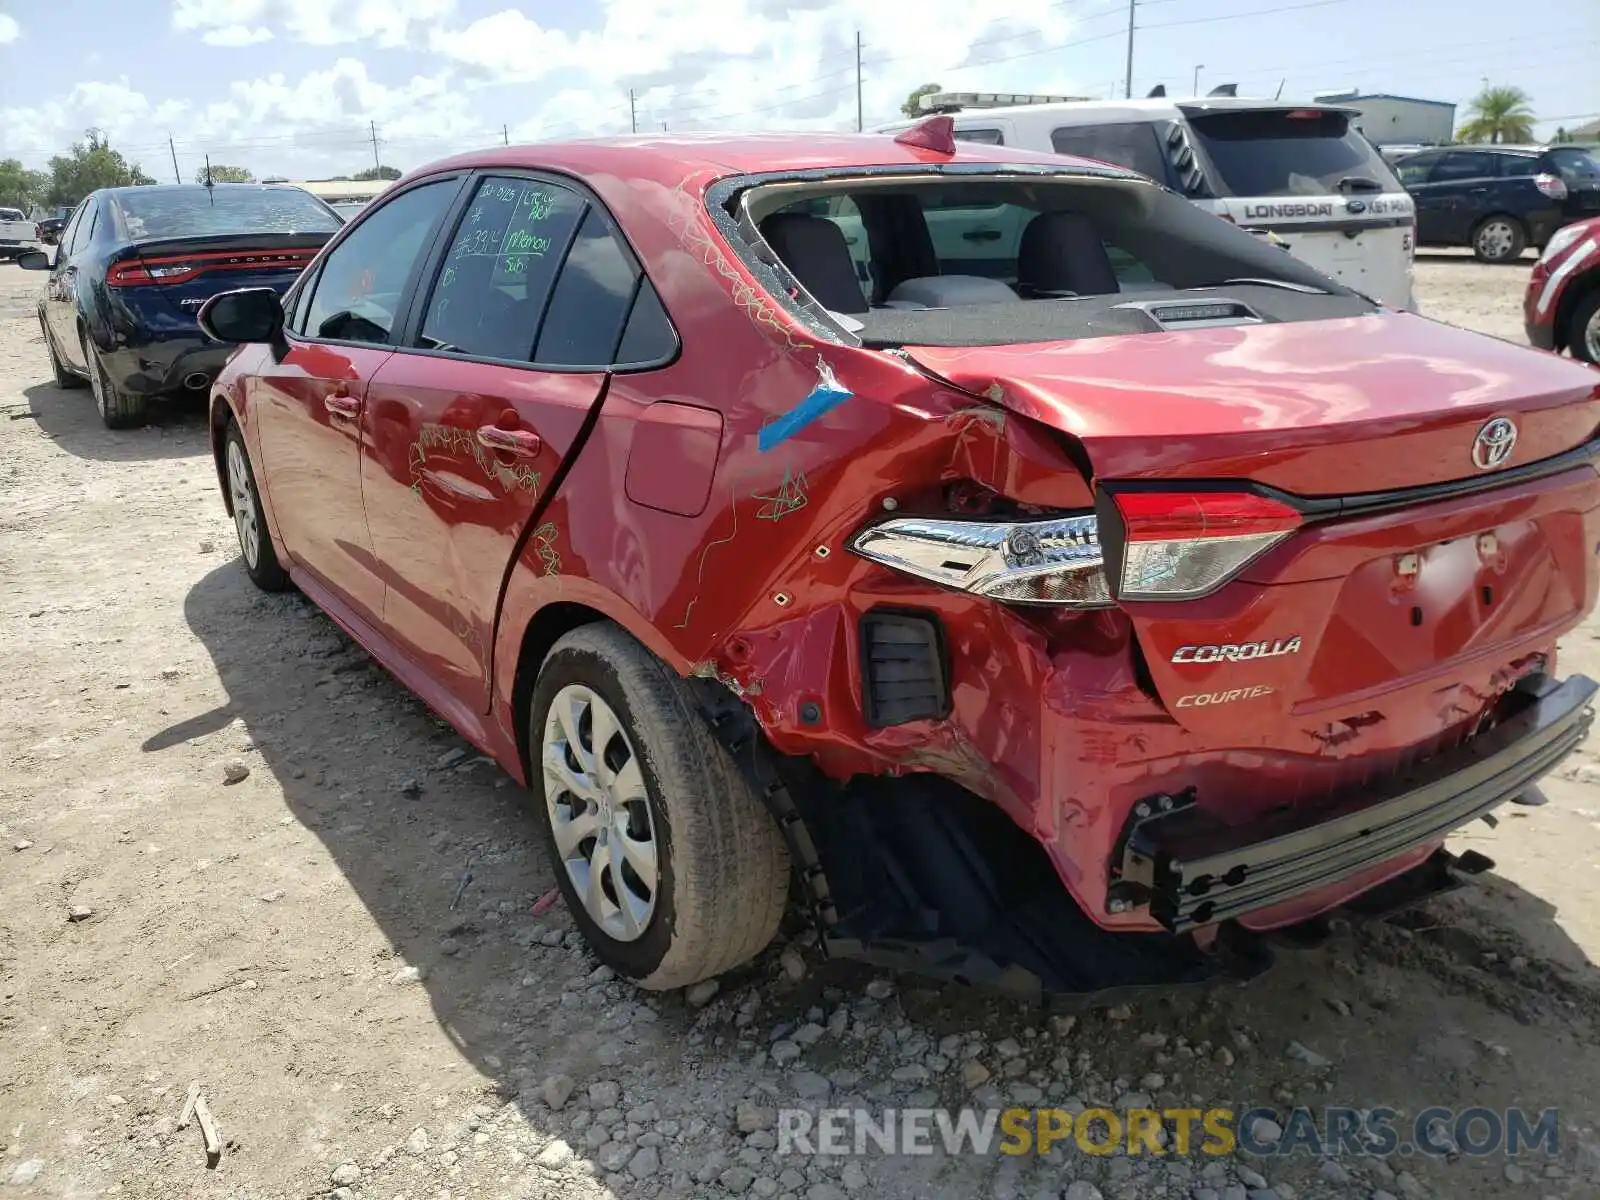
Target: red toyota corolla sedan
x,y
1057,585
1562,306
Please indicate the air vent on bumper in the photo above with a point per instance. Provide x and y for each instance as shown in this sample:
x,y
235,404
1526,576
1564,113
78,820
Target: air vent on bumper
x,y
903,675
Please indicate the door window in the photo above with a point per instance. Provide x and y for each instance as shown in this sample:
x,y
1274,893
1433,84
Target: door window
x,y
83,227
357,295
590,300
69,233
490,296
1464,164
1413,171
1518,166
1130,144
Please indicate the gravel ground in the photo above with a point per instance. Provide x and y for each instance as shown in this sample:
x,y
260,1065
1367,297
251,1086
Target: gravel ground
x,y
235,853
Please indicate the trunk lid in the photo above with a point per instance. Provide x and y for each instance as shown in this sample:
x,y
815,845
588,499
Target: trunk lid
x,y
1383,593
1316,408
179,274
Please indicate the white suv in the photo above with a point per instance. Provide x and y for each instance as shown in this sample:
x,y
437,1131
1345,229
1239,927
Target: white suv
x,y
1301,173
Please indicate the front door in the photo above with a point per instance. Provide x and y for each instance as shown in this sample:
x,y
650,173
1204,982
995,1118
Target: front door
x,y
307,407
61,289
465,429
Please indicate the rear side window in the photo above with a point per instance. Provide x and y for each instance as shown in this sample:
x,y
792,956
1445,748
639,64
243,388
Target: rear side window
x,y
1518,166
357,294
196,211
984,137
490,296
1129,144
1465,164
1289,152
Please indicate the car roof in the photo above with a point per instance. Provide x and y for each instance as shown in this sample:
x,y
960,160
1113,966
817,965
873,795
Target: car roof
x,y
744,154
145,189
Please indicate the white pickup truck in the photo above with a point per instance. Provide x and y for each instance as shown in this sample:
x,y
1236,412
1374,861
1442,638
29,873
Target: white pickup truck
x,y
17,233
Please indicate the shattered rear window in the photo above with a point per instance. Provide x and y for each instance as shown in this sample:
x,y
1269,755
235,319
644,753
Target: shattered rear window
x,y
974,259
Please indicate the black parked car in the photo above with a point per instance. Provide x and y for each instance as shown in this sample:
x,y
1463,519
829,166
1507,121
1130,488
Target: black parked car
x,y
1499,199
49,228
134,266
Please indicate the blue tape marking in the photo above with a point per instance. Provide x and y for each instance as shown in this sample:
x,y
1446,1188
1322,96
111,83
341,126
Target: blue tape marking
x,y
823,399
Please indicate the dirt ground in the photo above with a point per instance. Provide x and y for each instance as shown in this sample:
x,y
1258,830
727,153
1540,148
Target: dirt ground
x,y
340,949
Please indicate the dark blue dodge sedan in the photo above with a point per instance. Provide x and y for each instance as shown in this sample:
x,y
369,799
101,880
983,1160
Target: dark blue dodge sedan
x,y
135,264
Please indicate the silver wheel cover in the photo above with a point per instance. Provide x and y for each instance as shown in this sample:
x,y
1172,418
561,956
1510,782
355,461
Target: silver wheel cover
x,y
244,505
599,813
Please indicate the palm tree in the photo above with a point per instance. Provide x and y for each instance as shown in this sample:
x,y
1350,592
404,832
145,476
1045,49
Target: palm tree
x,y
1498,114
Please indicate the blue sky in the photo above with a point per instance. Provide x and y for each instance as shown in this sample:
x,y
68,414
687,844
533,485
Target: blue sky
x,y
290,86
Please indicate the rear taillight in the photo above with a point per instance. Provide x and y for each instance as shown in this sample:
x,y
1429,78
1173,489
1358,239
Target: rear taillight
x,y
1178,545
1173,546
1551,185
180,268
1054,561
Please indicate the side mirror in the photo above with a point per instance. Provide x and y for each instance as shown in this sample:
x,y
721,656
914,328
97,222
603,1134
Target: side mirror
x,y
33,260
245,315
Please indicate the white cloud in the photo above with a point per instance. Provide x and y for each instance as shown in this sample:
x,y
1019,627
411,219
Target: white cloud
x,y
236,35
692,64
10,31
314,22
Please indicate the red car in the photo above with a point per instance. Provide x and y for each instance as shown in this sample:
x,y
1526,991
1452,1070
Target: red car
x,y
1562,306
1058,585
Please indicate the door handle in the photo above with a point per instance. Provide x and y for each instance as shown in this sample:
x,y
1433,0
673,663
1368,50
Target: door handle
x,y
981,235
523,443
342,404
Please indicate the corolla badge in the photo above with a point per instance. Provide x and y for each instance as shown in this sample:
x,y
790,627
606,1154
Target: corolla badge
x,y
1495,441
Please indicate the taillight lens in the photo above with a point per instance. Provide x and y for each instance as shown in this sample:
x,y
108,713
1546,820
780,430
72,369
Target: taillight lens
x,y
1178,545
1054,561
1551,185
180,268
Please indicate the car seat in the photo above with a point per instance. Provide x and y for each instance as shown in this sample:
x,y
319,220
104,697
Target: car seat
x,y
814,250
1061,253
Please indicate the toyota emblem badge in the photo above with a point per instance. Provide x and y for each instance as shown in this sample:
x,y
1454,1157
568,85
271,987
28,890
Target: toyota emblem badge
x,y
1494,443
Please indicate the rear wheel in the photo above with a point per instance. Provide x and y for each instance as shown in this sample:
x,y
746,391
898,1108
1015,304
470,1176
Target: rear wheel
x,y
255,543
118,409
668,861
1499,239
64,377
1584,337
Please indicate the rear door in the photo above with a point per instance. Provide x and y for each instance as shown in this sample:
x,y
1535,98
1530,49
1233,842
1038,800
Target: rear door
x,y
1415,174
1309,178
466,429
1468,186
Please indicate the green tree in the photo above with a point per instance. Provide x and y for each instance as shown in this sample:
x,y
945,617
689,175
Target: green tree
x,y
92,164
1562,135
911,108
225,174
20,187
377,173
1498,114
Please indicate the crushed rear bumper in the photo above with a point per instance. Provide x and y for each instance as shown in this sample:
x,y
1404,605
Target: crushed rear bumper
x,y
1192,870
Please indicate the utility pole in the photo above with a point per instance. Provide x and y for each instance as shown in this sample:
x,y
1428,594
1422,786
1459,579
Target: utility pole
x,y
633,111
374,126
1194,90
859,125
505,134
1127,81
176,174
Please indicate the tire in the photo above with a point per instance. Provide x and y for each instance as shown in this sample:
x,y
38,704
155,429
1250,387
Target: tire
x,y
249,522
118,409
64,377
1499,239
721,872
1583,333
